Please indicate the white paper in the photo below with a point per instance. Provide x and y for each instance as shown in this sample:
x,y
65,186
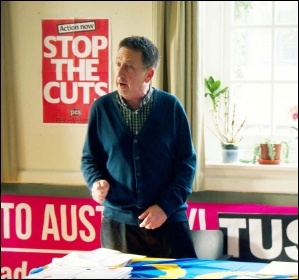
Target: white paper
x,y
70,272
95,258
101,263
54,272
280,268
105,273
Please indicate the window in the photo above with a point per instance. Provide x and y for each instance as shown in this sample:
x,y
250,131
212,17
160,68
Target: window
x,y
257,52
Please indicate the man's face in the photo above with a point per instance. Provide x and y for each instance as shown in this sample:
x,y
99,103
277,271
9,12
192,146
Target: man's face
x,y
131,77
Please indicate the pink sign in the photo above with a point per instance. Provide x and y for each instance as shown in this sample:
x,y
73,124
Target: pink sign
x,y
35,229
75,67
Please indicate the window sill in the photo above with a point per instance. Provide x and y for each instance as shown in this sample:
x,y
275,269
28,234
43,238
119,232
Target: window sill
x,y
252,178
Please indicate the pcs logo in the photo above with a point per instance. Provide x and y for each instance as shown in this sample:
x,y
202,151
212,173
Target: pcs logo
x,y
75,112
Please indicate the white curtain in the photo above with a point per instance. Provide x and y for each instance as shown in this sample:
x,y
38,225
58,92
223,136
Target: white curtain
x,y
177,29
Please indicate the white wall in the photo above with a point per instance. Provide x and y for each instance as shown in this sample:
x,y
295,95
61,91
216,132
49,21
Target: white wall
x,y
52,153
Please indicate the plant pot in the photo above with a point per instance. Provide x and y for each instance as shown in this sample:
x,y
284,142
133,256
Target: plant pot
x,y
230,153
265,157
269,152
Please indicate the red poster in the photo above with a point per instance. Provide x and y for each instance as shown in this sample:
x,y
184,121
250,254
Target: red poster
x,y
75,68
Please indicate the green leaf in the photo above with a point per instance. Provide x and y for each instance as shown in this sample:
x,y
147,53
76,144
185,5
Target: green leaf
x,y
211,80
215,86
223,90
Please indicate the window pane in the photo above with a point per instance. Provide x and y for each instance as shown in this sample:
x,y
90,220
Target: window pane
x,y
253,101
286,12
285,97
252,12
251,54
286,54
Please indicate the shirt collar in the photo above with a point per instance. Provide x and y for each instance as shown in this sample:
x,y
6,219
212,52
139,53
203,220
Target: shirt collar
x,y
143,101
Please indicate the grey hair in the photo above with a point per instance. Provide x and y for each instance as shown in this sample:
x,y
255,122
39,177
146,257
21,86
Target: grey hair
x,y
150,53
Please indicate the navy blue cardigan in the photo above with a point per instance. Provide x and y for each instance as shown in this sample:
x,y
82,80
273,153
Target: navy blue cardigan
x,y
156,166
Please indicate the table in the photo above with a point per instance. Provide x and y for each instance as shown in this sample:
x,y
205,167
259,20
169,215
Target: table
x,y
198,269
188,268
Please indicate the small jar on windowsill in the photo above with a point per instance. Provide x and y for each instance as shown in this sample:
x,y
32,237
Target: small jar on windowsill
x,y
230,153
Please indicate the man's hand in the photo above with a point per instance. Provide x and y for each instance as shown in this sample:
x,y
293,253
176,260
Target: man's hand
x,y
153,217
100,190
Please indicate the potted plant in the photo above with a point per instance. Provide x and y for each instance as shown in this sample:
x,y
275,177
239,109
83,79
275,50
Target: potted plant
x,y
225,127
271,152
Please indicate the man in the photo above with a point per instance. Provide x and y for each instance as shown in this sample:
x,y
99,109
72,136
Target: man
x,y
139,161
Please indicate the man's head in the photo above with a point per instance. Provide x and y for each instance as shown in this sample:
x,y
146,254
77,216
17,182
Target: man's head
x,y
136,61
150,53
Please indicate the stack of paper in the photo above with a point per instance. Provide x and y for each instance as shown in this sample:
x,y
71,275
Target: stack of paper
x,y
53,272
101,263
105,273
101,256
68,272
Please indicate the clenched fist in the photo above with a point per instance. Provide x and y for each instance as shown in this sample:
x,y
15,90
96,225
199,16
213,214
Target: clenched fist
x,y
100,190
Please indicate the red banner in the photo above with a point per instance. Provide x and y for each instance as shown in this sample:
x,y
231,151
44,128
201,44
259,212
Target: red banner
x,y
75,68
35,229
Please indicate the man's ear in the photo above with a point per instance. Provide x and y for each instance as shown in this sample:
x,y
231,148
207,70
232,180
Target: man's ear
x,y
149,75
